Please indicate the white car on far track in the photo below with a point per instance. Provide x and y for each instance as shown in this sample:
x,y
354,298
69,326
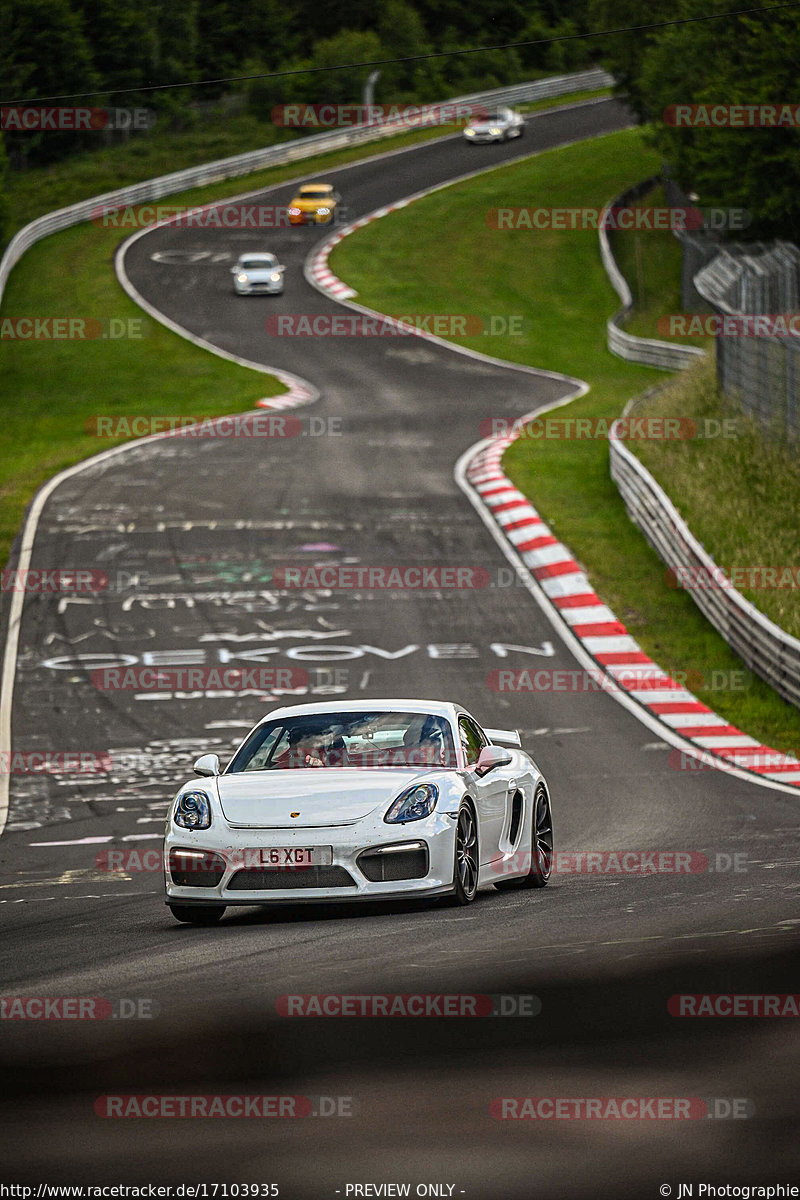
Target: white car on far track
x,y
497,126
258,274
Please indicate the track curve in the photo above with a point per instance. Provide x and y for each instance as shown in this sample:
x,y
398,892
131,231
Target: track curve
x,y
202,524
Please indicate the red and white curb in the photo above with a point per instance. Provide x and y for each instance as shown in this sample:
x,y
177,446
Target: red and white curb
x,y
321,274
299,393
317,270
557,582
619,657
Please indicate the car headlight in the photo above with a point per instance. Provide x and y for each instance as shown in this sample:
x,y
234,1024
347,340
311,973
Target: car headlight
x,y
241,278
413,804
294,212
276,277
323,212
495,132
469,132
193,811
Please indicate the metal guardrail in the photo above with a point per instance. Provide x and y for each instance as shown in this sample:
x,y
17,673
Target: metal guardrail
x,y
753,278
766,648
284,152
761,373
649,351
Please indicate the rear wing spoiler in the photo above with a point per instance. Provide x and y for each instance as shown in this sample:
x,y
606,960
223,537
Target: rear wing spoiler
x,y
504,737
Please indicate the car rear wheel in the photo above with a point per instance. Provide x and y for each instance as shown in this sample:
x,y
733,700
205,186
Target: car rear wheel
x,y
541,840
197,914
465,871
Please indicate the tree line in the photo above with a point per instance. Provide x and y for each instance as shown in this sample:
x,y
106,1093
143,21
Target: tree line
x,y
51,47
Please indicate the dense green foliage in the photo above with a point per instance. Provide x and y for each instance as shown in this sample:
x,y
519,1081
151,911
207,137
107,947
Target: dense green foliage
x,y
741,60
118,48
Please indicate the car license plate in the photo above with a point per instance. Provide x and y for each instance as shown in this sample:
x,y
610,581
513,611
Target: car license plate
x,y
283,857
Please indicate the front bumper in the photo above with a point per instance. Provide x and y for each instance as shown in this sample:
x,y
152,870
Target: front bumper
x,y
258,289
310,218
345,877
485,137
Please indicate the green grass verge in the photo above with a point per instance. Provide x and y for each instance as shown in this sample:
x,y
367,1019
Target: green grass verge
x,y
49,390
739,492
422,259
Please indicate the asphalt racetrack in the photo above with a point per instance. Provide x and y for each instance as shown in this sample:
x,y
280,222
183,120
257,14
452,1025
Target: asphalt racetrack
x,y
189,530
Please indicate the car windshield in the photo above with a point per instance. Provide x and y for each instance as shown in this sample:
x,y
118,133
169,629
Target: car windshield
x,y
494,118
258,264
347,739
314,193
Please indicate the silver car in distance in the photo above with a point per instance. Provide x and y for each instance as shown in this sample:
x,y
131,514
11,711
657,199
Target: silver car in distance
x,y
358,800
258,274
497,126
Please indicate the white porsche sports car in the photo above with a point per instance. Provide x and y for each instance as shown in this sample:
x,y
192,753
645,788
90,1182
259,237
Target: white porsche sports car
x,y
368,799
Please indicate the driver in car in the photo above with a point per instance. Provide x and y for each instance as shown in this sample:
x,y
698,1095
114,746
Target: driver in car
x,y
304,750
428,749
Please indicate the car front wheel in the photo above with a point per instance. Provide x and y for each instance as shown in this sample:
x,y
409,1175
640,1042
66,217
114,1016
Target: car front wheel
x,y
465,872
197,914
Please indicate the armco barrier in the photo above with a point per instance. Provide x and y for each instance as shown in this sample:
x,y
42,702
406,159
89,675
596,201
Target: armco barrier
x,y
760,643
285,152
648,351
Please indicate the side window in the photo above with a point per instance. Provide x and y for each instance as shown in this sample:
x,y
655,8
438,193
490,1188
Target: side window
x,y
472,740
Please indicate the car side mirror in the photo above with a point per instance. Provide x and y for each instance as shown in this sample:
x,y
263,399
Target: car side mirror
x,y
234,270
491,757
279,267
207,764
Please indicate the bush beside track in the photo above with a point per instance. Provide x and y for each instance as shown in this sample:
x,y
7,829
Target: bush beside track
x,y
437,255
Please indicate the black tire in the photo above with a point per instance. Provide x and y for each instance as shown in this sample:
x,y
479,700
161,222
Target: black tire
x,y
541,865
467,858
541,839
197,914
